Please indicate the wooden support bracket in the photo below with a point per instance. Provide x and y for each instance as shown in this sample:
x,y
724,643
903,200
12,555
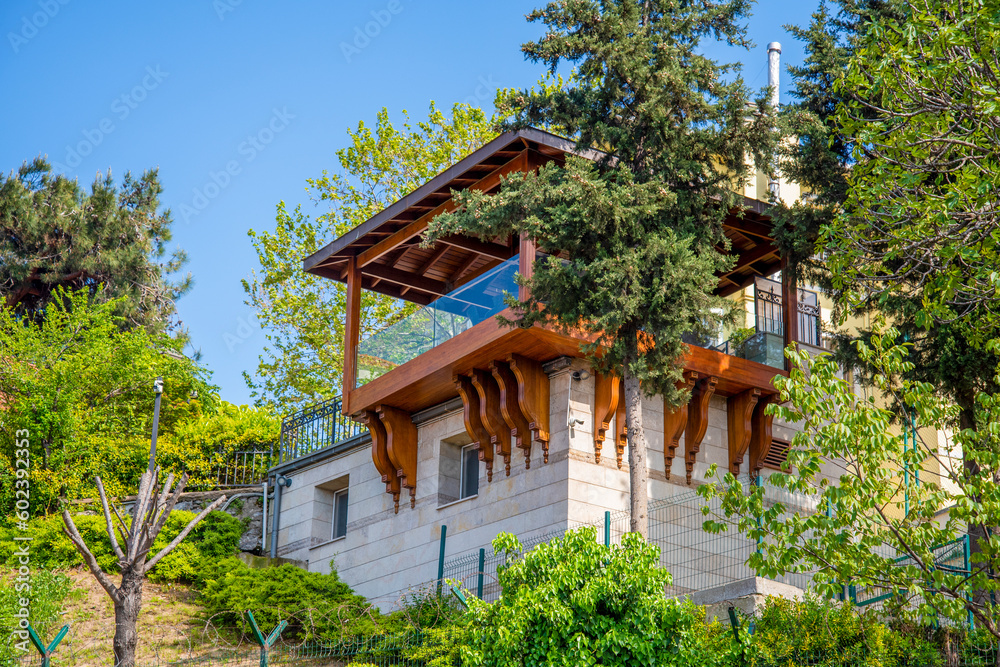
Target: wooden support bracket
x,y
621,427
401,446
675,421
740,410
510,408
533,396
760,435
697,423
380,455
607,395
474,422
491,416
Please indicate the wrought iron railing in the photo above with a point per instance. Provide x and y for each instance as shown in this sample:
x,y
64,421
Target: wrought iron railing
x,y
246,467
316,427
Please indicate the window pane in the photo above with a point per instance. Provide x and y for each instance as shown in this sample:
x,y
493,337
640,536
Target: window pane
x,y
470,472
340,514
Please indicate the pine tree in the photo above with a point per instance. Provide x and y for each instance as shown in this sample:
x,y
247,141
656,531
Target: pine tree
x,y
112,241
634,238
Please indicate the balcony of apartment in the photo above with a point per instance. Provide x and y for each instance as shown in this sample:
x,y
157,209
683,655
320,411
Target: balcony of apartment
x,y
453,346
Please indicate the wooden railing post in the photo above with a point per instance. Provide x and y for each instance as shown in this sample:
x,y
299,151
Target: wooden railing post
x,y
790,306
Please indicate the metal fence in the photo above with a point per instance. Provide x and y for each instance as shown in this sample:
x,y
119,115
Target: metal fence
x,y
697,560
246,467
314,428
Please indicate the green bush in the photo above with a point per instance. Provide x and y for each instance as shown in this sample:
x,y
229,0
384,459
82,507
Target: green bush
x,y
821,632
216,538
45,595
317,606
574,601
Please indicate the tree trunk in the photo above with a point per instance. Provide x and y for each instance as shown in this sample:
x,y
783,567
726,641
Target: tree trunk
x,y
637,469
127,615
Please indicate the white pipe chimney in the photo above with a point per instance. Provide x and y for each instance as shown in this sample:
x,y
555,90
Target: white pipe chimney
x,y
773,74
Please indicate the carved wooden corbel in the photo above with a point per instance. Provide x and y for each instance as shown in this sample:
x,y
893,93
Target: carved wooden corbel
x,y
697,423
380,455
760,435
607,395
401,446
533,396
491,416
510,408
474,422
675,421
621,428
740,410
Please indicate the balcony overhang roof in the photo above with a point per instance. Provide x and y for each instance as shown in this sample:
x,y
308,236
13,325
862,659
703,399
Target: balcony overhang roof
x,y
388,246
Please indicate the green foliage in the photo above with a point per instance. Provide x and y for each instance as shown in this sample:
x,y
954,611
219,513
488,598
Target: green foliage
x,y
441,646
641,229
573,601
921,106
873,527
77,392
821,632
316,605
303,314
111,242
45,593
199,446
213,540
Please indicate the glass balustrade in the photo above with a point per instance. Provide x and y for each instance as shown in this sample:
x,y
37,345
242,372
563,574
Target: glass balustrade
x,y
441,320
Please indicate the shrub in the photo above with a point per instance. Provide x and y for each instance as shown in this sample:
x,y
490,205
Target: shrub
x,y
817,632
215,538
317,606
47,592
574,601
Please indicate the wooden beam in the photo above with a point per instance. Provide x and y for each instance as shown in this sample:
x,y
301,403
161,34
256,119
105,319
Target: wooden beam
x,y
432,260
697,422
749,257
533,396
492,250
739,412
417,227
621,430
380,455
675,422
405,279
472,412
463,267
510,408
607,394
352,334
760,435
401,446
526,264
749,227
491,416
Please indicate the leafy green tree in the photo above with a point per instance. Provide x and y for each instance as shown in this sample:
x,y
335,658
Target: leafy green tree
x,y
573,601
302,314
78,389
639,230
921,106
872,527
111,241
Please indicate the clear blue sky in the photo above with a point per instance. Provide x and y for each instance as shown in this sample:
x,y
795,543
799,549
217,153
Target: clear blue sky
x,y
184,85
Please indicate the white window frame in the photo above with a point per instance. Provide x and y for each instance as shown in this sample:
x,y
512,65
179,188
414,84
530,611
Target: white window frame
x,y
337,495
461,476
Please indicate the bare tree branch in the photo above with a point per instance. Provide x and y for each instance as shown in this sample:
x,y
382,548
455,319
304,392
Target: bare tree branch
x,y
95,569
184,533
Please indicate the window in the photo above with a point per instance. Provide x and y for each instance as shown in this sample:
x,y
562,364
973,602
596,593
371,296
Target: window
x,y
458,472
340,514
470,471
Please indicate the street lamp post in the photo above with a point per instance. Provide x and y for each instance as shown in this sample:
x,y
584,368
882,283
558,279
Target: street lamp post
x,y
158,388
